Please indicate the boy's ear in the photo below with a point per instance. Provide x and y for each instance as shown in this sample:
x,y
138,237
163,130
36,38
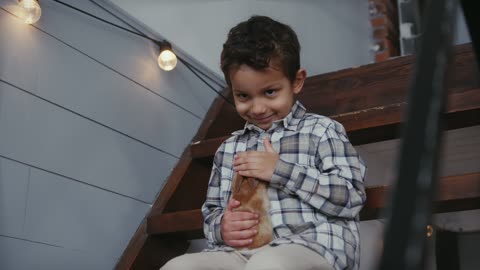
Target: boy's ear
x,y
299,80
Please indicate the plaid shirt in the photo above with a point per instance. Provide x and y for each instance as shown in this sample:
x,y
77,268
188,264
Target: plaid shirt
x,y
316,190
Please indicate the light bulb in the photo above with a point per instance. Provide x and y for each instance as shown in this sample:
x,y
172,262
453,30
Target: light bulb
x,y
429,230
167,60
30,11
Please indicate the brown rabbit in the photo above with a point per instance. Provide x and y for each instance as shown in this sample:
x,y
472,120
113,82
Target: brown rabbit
x,y
252,195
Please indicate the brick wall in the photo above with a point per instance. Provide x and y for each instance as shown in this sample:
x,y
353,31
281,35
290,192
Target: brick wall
x,y
384,21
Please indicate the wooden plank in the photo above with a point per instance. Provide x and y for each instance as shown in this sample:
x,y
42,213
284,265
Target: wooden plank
x,y
133,248
212,114
455,193
182,221
369,87
193,186
207,147
380,123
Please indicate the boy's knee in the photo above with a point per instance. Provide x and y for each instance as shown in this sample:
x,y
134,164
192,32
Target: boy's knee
x,y
178,263
265,263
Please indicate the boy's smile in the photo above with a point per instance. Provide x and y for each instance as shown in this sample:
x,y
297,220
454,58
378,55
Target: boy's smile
x,y
264,96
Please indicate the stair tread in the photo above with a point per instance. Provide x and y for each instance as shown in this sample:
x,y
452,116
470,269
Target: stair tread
x,y
455,193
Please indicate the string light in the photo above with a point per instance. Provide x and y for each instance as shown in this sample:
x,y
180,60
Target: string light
x,y
429,230
30,11
167,60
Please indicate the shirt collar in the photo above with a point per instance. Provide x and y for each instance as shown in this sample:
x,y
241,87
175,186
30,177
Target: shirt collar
x,y
290,121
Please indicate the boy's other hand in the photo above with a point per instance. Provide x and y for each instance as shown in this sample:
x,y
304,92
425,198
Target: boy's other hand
x,y
238,227
257,164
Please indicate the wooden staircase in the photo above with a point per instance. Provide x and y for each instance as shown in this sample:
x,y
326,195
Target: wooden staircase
x,y
369,101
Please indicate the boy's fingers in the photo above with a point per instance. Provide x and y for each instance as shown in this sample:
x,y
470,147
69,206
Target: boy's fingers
x,y
243,215
247,166
243,225
268,145
244,156
242,235
250,173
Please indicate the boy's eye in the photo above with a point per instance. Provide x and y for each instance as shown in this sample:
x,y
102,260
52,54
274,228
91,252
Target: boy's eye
x,y
270,92
242,96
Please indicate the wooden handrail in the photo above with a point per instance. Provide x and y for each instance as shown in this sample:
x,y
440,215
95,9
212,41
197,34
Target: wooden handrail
x,y
455,193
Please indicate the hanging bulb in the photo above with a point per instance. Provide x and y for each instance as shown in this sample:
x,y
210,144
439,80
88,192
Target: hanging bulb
x,y
30,11
167,60
429,230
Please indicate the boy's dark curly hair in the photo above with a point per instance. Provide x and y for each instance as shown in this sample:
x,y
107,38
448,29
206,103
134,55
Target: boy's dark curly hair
x,y
256,42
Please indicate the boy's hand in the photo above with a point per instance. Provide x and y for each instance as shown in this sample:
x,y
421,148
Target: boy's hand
x,y
260,165
238,227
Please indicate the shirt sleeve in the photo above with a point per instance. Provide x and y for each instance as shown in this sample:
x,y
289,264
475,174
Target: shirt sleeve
x,y
335,185
213,208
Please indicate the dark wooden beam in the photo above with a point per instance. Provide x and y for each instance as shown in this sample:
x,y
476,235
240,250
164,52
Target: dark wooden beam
x,y
182,221
192,189
133,248
455,193
206,148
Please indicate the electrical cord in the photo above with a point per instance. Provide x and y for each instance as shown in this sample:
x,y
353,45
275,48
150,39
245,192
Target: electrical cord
x,y
139,33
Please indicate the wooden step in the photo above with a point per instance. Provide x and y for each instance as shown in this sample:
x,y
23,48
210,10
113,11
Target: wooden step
x,y
370,96
455,193
380,123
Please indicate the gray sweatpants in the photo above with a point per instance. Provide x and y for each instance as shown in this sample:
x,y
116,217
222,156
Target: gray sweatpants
x,y
283,257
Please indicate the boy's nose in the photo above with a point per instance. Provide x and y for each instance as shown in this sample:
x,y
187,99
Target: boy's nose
x,y
258,108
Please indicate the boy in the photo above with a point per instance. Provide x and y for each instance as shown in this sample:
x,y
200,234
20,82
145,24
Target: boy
x,y
314,175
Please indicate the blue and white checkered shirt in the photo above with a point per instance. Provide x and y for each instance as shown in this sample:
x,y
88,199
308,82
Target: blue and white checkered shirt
x,y
316,190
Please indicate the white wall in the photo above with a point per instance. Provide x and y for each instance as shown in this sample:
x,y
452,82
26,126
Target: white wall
x,y
333,34
461,31
90,128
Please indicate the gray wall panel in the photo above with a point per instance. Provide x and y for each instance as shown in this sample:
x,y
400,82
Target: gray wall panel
x,y
13,195
132,55
77,216
40,134
17,254
84,154
86,87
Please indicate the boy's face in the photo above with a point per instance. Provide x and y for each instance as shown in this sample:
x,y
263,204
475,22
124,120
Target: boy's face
x,y
264,96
